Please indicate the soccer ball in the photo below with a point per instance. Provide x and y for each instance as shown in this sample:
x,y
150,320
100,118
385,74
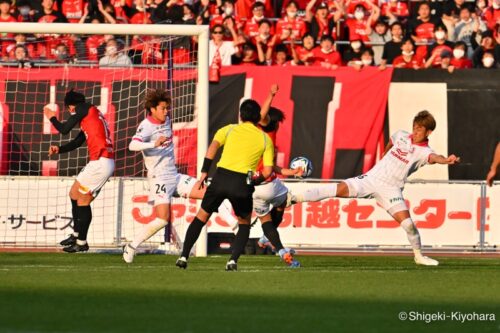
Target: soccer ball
x,y
304,163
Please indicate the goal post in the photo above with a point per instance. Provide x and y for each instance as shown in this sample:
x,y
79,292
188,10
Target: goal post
x,y
199,104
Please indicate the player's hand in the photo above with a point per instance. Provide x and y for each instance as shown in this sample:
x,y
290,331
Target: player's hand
x,y
490,177
48,112
274,89
452,159
161,140
53,150
202,180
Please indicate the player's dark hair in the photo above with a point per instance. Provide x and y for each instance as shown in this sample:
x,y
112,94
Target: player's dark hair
x,y
426,119
73,98
276,116
250,111
154,97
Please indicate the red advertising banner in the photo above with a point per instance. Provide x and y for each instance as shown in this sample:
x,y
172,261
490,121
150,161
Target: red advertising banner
x,y
330,114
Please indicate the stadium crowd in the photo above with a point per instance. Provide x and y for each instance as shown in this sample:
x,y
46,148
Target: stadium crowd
x,y
451,34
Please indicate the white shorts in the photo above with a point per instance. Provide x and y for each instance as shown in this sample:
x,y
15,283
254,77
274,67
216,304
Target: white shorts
x,y
163,188
185,185
389,197
94,175
269,195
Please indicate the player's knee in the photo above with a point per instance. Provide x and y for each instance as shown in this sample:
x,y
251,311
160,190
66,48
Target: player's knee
x,y
84,199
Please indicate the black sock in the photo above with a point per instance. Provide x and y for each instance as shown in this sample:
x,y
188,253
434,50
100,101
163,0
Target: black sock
x,y
277,217
192,235
74,211
240,241
272,234
84,219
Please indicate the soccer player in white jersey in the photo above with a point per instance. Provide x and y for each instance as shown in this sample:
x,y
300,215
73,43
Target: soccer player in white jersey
x,y
154,137
404,154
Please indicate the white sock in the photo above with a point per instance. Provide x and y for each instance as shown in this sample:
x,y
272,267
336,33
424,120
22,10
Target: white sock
x,y
225,209
147,231
81,242
315,194
75,234
413,235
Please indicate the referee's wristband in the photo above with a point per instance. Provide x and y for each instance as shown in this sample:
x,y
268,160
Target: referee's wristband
x,y
206,165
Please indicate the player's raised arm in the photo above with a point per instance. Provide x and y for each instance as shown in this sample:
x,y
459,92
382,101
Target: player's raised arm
x,y
440,159
75,102
264,117
72,145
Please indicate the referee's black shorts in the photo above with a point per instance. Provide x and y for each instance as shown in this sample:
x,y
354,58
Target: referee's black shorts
x,y
227,184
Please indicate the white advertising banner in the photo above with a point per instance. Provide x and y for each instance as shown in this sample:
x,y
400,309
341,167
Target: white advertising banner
x,y
492,228
37,211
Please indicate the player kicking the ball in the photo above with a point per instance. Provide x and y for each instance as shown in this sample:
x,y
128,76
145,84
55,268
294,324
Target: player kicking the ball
x,y
404,154
94,175
154,137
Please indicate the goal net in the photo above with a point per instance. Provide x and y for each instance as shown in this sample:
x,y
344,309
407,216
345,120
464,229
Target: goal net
x,y
35,210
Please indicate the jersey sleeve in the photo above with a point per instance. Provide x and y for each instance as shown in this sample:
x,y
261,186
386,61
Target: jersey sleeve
x,y
81,111
268,156
143,134
396,136
221,135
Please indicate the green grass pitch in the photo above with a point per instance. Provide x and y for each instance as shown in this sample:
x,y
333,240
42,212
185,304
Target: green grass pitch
x,y
55,292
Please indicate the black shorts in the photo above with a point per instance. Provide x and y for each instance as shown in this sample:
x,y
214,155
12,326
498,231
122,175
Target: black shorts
x,y
229,185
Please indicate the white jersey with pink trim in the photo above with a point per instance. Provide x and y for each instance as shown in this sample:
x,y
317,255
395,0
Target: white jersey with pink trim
x,y
160,161
403,159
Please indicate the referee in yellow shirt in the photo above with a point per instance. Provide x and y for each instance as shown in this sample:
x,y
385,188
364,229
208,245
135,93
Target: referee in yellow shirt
x,y
244,145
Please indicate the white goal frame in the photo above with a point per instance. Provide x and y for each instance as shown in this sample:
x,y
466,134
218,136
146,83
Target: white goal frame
x,y
201,98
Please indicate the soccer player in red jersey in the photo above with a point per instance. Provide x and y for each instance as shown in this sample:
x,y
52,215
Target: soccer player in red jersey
x,y
94,130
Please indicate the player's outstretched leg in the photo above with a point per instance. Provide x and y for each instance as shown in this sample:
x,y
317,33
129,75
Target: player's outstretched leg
x,y
312,194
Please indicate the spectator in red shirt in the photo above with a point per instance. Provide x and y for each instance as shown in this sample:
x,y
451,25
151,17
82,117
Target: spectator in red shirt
x,y
19,40
303,54
441,44
291,27
421,29
322,23
395,10
227,12
360,24
251,29
459,59
264,36
5,15
491,14
325,55
408,58
281,56
136,14
72,9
